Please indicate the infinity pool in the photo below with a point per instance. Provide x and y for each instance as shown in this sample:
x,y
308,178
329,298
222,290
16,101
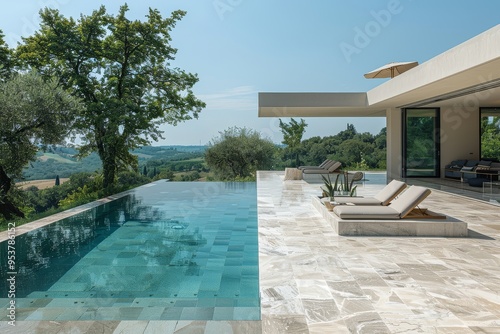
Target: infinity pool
x,y
166,251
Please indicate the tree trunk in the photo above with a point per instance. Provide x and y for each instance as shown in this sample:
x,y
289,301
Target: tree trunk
x,y
109,170
7,209
108,159
297,159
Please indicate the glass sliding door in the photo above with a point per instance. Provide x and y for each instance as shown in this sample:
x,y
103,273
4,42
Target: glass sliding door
x,y
421,142
490,133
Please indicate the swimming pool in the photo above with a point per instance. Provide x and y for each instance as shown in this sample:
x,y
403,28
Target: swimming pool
x,y
166,251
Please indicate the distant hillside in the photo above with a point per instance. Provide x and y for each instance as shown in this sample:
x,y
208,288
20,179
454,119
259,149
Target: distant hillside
x,y
167,152
58,160
46,156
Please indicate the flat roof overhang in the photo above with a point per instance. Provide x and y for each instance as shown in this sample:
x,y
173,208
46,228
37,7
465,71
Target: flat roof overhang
x,y
469,70
316,105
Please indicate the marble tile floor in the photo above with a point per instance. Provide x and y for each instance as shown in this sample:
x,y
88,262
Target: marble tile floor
x,y
456,187
314,281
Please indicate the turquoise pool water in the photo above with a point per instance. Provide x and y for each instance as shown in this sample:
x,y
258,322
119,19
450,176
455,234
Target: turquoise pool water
x,y
166,251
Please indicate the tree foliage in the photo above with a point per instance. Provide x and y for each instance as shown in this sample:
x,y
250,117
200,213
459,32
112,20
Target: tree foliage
x,y
120,69
292,137
490,137
420,145
351,148
238,152
6,59
33,112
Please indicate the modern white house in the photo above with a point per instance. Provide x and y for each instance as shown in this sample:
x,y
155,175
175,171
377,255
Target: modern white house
x,y
437,104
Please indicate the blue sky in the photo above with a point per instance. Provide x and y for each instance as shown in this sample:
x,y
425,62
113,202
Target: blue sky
x,y
242,47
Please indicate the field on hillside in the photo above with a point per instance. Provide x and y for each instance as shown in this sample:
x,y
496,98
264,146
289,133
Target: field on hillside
x,y
46,156
40,184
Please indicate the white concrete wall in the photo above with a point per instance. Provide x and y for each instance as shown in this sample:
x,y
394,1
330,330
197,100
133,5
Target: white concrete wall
x,y
394,144
460,134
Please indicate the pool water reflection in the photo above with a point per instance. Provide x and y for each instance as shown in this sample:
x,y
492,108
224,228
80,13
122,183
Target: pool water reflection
x,y
167,251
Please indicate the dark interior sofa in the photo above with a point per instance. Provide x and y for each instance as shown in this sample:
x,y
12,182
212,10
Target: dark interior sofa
x,y
474,172
469,169
485,171
452,170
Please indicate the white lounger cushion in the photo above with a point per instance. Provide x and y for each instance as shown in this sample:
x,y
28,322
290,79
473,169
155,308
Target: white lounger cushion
x,y
390,191
399,208
384,197
408,200
358,200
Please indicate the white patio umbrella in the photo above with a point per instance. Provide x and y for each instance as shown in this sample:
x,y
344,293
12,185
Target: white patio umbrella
x,y
391,70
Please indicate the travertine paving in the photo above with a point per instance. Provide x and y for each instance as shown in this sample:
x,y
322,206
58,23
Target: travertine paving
x,y
314,281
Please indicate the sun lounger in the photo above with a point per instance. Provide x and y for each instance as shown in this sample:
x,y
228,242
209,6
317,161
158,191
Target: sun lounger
x,y
384,196
398,209
334,168
325,164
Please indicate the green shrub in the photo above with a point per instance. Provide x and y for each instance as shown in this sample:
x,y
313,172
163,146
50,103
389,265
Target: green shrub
x,y
80,196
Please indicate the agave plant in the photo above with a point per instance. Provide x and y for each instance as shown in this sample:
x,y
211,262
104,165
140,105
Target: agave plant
x,y
344,186
330,188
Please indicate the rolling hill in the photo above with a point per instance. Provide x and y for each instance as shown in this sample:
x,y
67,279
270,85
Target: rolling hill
x,y
62,161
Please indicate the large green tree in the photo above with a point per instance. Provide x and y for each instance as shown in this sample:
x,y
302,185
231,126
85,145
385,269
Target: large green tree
x,y
6,59
33,112
239,153
292,137
120,69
